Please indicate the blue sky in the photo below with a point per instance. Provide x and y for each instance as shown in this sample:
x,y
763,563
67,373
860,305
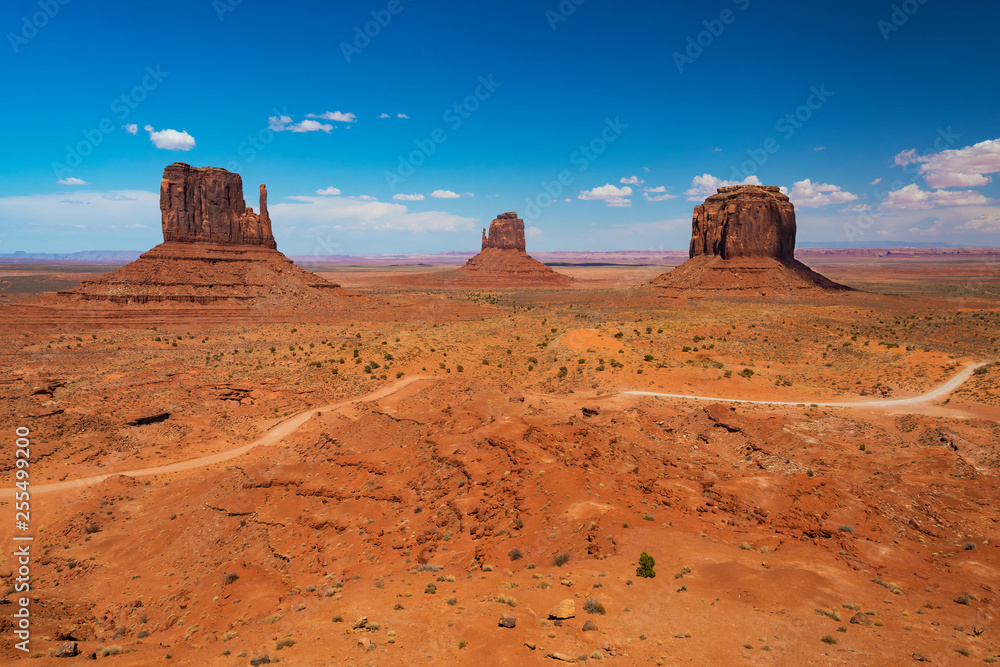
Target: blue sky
x,y
601,123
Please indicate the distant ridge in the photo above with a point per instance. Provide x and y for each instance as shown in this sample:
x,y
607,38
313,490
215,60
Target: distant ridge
x,y
559,258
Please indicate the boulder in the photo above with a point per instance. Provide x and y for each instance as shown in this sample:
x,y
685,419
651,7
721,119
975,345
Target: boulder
x,y
565,609
507,622
67,650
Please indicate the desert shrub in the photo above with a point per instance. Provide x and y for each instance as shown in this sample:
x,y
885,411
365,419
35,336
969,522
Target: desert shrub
x,y
286,642
747,373
430,588
451,602
561,558
645,569
828,639
110,650
845,529
229,578
515,554
746,546
509,601
594,606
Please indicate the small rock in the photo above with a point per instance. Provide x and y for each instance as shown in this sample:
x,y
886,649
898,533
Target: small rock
x,y
507,622
364,642
557,622
920,658
67,650
565,609
861,619
562,656
261,660
359,623
531,645
589,412
565,582
590,626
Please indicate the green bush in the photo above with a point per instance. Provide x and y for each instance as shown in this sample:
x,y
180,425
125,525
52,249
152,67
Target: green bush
x,y
645,569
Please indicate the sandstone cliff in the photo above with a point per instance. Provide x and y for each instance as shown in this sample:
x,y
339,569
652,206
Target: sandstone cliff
x,y
205,204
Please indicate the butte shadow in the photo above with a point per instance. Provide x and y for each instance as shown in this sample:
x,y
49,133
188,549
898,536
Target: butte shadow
x,y
216,251
501,263
743,244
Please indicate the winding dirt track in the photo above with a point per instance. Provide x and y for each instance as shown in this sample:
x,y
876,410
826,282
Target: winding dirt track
x,y
943,390
292,424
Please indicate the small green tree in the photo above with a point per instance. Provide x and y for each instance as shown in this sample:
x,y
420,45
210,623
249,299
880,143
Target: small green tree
x,y
645,569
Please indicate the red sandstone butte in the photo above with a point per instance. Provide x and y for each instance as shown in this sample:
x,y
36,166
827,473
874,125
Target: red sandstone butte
x,y
503,257
215,249
743,241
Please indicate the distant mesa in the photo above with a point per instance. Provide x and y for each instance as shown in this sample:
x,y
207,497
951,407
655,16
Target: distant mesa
x,y
504,259
743,241
215,249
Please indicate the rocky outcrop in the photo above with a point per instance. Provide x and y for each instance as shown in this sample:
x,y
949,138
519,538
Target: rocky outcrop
x,y
506,233
745,221
503,259
205,205
743,242
216,250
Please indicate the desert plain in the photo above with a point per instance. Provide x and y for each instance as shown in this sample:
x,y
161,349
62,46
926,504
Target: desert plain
x,y
386,480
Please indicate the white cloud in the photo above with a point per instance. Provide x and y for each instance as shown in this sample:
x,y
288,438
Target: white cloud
x,y
857,208
384,115
329,191
366,198
170,140
335,116
806,194
820,148
533,232
876,181
283,123
89,221
72,181
913,198
988,223
706,185
131,129
956,168
401,115
402,197
445,194
657,194
610,195
632,180
361,213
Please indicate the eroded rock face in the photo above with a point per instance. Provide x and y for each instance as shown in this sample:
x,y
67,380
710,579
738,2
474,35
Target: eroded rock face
x,y
506,233
745,221
205,204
